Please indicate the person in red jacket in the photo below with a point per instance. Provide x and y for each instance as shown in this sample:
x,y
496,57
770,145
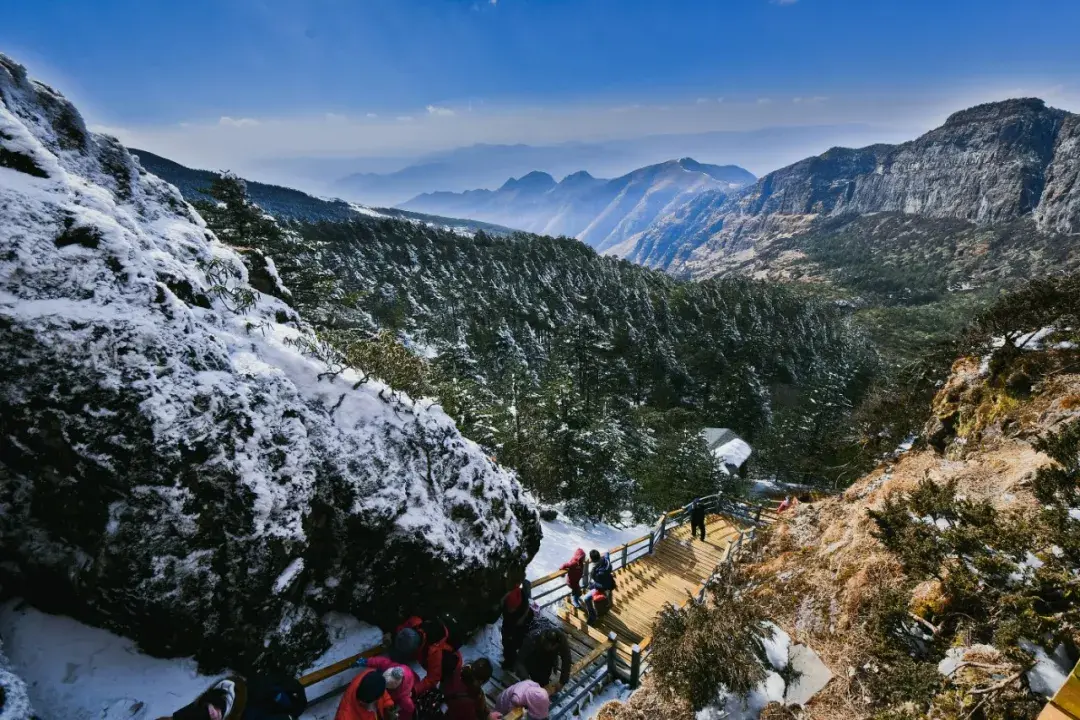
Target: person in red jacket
x,y
443,661
366,699
575,570
400,679
464,695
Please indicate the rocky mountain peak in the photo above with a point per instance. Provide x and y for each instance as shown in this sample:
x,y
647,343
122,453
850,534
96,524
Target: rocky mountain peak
x,y
997,111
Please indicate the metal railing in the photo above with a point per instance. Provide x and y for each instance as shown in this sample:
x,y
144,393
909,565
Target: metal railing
x,y
551,589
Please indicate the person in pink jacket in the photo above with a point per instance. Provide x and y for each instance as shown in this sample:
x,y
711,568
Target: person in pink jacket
x,y
527,695
402,693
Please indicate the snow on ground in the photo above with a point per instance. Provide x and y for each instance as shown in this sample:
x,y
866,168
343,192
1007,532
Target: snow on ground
x,y
77,672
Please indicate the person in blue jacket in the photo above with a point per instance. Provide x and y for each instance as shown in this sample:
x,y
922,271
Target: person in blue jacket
x,y
601,578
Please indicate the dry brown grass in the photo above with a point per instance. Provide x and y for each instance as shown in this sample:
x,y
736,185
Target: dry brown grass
x,y
820,568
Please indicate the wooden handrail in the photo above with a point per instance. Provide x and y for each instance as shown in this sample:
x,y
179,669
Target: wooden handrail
x,y
339,667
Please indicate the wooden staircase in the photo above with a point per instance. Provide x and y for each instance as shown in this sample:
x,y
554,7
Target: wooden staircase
x,y
667,566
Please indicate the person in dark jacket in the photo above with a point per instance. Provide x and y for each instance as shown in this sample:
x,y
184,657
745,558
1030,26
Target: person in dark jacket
x,y
603,578
697,520
544,647
517,615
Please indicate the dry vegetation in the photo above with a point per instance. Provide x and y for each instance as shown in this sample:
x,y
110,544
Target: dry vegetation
x,y
824,577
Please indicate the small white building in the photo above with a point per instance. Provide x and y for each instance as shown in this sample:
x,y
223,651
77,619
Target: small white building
x,y
730,450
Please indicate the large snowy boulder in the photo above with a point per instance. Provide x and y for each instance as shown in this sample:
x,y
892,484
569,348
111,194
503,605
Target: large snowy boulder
x,y
176,463
14,701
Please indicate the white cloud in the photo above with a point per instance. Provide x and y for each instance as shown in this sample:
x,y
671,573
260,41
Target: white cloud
x,y
764,101
440,111
372,115
702,101
405,118
227,121
809,100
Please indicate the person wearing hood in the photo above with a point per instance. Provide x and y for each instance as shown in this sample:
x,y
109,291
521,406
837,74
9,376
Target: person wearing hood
x,y
527,695
366,698
400,683
575,570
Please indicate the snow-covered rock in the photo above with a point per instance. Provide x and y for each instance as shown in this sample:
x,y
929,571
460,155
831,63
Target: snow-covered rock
x,y
175,464
14,702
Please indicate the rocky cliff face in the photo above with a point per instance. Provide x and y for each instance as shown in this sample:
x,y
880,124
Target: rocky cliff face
x,y
180,461
990,164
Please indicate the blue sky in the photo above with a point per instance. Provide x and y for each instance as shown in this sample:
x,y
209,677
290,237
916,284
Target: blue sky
x,y
417,75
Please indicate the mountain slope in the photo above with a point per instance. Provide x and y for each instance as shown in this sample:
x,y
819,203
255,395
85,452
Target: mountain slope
x,y
986,166
601,213
178,462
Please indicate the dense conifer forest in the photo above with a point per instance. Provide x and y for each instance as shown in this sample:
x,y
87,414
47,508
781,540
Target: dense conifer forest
x,y
590,376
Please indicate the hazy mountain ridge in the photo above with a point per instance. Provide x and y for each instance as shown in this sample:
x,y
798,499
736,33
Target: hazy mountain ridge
x,y
988,165
289,204
601,213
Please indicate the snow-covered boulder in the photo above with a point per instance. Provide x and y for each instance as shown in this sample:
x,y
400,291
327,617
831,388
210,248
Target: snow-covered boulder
x,y
175,463
14,702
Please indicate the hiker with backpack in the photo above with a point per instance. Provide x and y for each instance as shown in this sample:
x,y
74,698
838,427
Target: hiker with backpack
x,y
602,581
545,647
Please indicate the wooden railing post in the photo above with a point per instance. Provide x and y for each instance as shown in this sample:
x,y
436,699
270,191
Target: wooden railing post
x,y
624,550
663,527
612,655
635,666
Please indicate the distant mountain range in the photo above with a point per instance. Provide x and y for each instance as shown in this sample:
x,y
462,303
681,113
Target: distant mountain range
x,y
288,204
392,181
602,213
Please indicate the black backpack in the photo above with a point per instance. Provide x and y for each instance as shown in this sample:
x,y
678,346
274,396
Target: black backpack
x,y
274,697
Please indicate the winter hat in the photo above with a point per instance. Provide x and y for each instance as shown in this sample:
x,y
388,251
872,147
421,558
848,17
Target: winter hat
x,y
393,677
371,688
537,702
405,645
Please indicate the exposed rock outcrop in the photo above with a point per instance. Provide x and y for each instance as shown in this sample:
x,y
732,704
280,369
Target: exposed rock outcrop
x,y
176,462
987,165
